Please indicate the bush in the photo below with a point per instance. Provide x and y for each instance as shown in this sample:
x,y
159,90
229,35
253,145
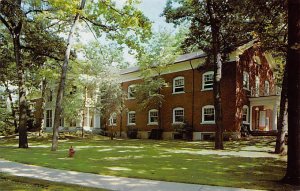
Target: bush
x,y
6,129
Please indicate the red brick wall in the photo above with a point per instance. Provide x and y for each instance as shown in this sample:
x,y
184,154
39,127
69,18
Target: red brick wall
x,y
262,70
233,95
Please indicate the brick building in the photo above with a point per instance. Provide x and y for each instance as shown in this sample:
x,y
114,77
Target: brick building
x,y
248,92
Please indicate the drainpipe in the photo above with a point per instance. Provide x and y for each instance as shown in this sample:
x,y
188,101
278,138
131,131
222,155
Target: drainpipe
x,y
121,113
193,95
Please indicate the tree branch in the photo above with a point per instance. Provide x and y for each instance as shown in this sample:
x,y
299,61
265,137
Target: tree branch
x,y
6,24
102,26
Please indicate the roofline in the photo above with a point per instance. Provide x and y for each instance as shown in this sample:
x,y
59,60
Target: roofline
x,y
175,62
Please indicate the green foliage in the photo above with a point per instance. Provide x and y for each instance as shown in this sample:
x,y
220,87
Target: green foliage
x,y
195,15
161,50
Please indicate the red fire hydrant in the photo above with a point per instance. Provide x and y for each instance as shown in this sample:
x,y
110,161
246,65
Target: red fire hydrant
x,y
71,152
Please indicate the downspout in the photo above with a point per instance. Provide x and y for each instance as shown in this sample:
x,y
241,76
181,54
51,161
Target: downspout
x,y
193,95
121,113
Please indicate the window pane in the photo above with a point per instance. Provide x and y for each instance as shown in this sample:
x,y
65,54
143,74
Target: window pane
x,y
131,118
208,81
179,115
131,91
246,80
209,114
153,117
179,85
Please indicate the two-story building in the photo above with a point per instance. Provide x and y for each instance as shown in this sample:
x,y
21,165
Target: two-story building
x,y
248,92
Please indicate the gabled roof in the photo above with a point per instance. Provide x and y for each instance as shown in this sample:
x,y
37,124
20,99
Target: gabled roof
x,y
181,58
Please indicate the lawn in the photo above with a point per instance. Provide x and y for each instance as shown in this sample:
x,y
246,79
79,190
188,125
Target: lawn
x,y
244,164
15,183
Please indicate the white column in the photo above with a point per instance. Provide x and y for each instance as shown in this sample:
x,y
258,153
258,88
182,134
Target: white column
x,y
88,118
274,116
96,119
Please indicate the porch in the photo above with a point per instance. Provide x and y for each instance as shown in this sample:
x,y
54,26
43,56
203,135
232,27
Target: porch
x,y
263,112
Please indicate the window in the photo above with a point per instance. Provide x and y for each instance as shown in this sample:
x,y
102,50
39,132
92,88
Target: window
x,y
73,123
50,97
245,114
267,88
49,118
131,118
178,85
178,115
113,119
153,117
131,91
246,80
61,122
208,80
208,114
256,86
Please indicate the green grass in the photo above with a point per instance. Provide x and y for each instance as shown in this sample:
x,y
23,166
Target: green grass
x,y
15,183
244,164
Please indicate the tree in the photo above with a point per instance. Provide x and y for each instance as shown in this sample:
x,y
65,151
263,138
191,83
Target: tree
x,y
159,52
101,68
268,21
215,28
19,18
125,25
60,91
293,165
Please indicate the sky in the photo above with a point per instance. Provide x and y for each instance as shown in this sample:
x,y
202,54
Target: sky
x,y
152,9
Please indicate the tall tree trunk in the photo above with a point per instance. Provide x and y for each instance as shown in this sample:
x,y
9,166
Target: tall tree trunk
x,y
23,142
293,164
61,87
83,114
13,112
282,119
44,88
215,29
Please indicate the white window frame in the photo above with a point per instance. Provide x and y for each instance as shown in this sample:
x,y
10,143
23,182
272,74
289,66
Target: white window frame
x,y
49,118
174,116
245,107
246,80
113,119
130,92
178,87
149,117
204,80
267,88
203,114
128,118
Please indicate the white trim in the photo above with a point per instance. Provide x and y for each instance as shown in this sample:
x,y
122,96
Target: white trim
x,y
203,80
170,69
131,112
247,114
182,86
129,91
111,119
176,109
208,107
149,117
